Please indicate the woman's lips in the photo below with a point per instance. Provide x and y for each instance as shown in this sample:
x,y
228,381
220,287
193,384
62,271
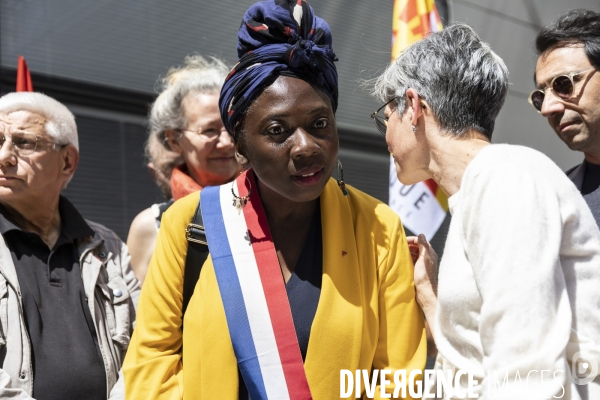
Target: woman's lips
x,y
308,178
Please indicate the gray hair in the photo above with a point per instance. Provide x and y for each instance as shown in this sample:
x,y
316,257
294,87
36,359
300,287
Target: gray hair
x,y
459,76
60,122
164,161
198,75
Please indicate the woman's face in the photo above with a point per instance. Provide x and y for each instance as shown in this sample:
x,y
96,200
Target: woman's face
x,y
290,139
409,149
205,145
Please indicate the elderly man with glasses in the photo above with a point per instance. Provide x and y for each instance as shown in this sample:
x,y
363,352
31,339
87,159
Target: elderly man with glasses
x,y
67,291
567,78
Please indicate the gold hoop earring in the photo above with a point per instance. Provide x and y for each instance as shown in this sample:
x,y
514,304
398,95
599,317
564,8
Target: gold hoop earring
x,y
240,202
340,181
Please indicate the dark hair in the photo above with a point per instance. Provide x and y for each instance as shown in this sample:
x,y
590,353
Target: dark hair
x,y
576,26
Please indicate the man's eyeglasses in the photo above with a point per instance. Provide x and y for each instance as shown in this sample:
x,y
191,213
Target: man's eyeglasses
x,y
380,120
563,86
24,143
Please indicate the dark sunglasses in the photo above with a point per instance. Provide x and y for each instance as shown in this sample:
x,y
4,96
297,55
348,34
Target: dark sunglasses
x,y
563,86
381,121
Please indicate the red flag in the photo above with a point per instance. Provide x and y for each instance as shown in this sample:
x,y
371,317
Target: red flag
x,y
23,77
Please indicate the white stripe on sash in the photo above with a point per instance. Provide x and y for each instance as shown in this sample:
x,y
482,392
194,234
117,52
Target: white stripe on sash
x,y
254,298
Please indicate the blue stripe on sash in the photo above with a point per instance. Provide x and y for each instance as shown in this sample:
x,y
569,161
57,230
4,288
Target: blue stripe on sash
x,y
231,292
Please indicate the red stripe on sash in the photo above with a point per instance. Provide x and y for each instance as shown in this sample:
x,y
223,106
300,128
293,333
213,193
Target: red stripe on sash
x,y
274,288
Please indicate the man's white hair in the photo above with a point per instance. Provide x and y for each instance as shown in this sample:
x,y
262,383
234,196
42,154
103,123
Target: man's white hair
x,y
60,122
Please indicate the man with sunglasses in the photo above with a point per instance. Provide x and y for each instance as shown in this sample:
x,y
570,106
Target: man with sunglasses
x,y
67,291
567,78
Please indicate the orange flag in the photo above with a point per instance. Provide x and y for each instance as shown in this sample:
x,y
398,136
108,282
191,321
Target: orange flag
x,y
24,83
421,206
413,19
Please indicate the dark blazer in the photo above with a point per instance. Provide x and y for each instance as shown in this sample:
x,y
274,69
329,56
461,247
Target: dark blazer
x,y
576,174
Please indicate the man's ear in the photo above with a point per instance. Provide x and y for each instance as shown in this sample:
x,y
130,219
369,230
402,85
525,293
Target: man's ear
x,y
172,139
70,158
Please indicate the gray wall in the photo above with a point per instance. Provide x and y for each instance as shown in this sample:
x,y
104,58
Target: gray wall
x,y
129,43
111,185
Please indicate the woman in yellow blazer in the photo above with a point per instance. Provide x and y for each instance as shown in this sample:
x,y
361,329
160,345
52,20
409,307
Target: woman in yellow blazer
x,y
344,253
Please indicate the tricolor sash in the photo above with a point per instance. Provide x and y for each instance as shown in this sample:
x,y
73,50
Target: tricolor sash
x,y
253,292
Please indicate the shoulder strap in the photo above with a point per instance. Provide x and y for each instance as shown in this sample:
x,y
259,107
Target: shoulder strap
x,y
196,255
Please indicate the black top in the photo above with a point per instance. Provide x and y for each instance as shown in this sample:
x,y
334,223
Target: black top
x,y
161,208
67,363
590,189
303,288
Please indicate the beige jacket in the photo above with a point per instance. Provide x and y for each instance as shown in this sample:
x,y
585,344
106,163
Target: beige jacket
x,y
112,293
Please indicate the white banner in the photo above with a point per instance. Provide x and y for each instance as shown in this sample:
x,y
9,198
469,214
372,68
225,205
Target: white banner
x,y
416,205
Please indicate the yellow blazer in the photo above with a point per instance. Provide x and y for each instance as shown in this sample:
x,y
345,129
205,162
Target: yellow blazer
x,y
367,317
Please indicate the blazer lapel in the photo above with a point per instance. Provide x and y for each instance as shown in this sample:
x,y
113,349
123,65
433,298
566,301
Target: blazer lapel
x,y
338,320
577,175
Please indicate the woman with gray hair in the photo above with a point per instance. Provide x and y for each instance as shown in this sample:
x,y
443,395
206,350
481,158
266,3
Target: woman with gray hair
x,y
186,122
517,290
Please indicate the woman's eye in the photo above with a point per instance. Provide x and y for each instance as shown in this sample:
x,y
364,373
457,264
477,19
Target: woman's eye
x,y
321,124
275,130
210,132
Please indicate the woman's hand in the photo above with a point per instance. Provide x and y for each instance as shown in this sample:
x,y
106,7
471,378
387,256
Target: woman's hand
x,y
425,261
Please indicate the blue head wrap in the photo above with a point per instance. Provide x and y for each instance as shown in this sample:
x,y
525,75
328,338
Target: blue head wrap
x,y
278,37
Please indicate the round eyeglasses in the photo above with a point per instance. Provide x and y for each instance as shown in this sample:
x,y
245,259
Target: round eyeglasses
x,y
562,85
380,120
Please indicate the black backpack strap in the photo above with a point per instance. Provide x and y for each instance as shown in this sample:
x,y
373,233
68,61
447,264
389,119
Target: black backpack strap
x,y
196,256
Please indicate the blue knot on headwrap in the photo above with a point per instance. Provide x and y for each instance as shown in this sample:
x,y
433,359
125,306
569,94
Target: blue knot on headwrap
x,y
278,37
